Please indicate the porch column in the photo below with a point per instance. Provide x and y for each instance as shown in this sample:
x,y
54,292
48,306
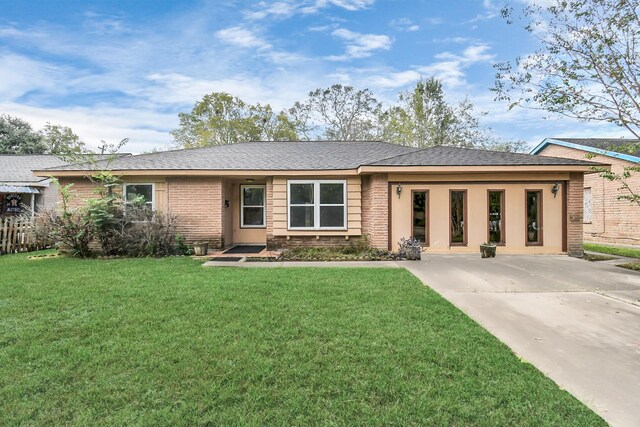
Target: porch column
x,y
575,193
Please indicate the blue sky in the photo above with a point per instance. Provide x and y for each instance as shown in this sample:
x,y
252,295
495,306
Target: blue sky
x,y
116,69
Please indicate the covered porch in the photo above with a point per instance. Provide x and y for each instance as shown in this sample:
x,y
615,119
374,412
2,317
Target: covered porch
x,y
19,199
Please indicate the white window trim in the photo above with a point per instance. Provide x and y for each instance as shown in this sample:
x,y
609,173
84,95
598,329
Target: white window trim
x,y
316,203
153,192
263,206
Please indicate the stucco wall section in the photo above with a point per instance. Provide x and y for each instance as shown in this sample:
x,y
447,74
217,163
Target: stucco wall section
x,y
613,220
198,203
477,214
375,210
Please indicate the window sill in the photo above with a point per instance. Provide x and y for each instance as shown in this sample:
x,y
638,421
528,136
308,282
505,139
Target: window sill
x,y
316,229
253,227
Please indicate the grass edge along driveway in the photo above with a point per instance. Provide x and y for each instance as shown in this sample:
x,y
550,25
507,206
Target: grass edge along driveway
x,y
166,342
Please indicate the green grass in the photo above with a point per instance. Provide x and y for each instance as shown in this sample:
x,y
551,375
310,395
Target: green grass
x,y
167,342
612,250
631,266
596,257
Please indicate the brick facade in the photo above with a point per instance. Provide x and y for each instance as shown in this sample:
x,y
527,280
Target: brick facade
x,y
198,204
574,215
613,220
375,210
281,242
81,190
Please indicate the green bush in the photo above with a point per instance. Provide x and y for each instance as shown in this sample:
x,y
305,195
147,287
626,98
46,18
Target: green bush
x,y
109,226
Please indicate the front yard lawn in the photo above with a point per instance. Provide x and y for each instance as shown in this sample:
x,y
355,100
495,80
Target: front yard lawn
x,y
167,342
612,250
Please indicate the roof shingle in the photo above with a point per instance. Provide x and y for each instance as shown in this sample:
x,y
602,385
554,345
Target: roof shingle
x,y
456,156
320,155
619,145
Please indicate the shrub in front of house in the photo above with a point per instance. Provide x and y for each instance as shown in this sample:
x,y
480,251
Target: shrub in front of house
x,y
348,253
109,225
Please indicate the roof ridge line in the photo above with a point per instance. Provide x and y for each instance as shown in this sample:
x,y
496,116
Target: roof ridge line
x,y
417,150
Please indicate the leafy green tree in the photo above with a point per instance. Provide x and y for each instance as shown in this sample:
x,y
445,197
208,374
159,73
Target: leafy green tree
x,y
61,140
338,113
220,118
18,137
423,118
587,66
588,63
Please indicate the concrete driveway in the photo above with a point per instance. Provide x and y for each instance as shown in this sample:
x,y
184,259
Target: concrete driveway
x,y
577,321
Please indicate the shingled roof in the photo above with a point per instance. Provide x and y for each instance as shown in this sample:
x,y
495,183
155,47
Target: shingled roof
x,y
625,146
16,168
295,155
456,156
318,155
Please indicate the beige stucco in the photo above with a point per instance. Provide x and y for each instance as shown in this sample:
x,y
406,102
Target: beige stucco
x,y
515,219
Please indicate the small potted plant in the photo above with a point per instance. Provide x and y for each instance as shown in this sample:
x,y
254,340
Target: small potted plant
x,y
410,249
488,250
200,248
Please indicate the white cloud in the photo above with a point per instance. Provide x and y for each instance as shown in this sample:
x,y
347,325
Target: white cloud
x,y
451,67
283,9
359,45
394,79
20,75
404,24
145,129
242,37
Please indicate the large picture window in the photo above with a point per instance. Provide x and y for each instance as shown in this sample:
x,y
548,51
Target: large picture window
x,y
252,210
534,217
496,216
317,205
133,192
458,217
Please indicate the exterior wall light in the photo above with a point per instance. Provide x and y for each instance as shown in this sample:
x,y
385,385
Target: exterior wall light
x,y
399,190
554,190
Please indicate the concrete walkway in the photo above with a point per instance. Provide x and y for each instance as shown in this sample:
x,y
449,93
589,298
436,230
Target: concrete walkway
x,y
574,320
321,264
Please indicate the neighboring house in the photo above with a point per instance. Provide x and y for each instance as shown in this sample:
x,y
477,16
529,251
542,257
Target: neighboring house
x,y
607,218
20,190
285,194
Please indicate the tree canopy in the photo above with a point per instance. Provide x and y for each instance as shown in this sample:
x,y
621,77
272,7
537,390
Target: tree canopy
x,y
17,136
421,118
587,66
220,118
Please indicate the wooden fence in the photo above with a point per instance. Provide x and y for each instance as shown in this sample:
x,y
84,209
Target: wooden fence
x,y
17,235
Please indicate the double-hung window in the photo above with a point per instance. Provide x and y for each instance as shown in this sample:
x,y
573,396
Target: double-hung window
x,y
317,205
252,211
139,192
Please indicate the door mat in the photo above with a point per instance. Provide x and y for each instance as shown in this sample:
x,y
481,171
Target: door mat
x,y
226,258
245,249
